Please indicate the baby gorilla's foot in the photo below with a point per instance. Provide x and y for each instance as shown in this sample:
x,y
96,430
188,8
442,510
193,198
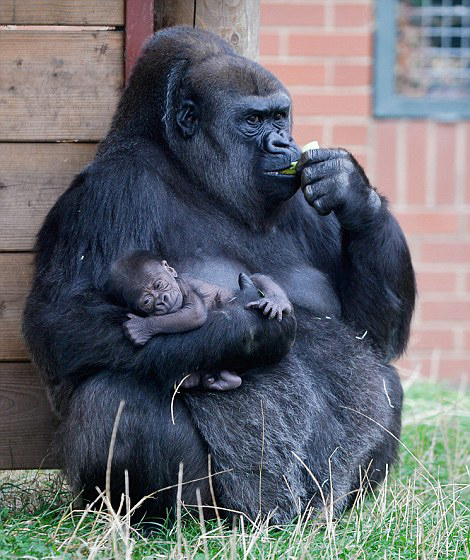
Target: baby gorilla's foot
x,y
191,381
225,381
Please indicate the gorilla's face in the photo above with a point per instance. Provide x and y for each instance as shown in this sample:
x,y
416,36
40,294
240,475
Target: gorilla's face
x,y
263,125
236,138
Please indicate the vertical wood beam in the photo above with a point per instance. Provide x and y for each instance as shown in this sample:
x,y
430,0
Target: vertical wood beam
x,y
236,21
139,27
174,12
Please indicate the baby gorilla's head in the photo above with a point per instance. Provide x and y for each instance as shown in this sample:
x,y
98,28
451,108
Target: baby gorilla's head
x,y
144,284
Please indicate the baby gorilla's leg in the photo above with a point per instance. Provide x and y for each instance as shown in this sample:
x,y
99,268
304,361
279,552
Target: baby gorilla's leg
x,y
225,381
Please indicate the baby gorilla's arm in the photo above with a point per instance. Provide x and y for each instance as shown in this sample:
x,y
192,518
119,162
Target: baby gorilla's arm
x,y
274,302
192,315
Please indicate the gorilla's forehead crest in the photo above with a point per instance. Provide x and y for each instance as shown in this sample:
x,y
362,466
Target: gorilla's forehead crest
x,y
233,74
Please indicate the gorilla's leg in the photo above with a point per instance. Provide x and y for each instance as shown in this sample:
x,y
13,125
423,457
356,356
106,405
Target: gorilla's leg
x,y
382,456
148,445
301,431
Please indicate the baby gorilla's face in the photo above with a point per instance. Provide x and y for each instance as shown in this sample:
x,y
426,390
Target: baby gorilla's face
x,y
160,293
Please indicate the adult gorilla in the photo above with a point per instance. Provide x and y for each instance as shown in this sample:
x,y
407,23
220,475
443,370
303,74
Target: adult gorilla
x,y
189,170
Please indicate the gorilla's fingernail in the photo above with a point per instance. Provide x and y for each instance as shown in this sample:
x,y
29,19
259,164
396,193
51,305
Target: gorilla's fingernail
x,y
308,191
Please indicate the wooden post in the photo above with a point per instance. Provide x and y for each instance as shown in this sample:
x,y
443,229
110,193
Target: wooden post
x,y
174,12
139,27
237,21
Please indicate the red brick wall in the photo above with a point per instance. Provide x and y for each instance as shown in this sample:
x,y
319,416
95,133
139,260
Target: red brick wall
x,y
322,50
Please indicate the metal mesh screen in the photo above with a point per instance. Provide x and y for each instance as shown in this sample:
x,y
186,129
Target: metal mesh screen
x,y
433,48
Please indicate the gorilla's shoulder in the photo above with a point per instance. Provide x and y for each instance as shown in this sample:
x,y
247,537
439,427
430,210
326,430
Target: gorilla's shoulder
x,y
118,171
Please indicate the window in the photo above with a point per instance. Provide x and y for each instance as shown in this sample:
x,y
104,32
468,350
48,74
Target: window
x,y
422,59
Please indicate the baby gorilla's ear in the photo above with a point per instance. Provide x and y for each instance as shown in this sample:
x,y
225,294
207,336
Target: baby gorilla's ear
x,y
169,269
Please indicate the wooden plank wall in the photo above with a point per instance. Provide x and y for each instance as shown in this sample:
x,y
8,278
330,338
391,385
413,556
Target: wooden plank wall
x,y
61,73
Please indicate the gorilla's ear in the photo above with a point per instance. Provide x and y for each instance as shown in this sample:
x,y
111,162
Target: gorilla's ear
x,y
187,118
169,269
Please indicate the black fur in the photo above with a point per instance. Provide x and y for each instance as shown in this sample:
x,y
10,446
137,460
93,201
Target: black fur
x,y
180,176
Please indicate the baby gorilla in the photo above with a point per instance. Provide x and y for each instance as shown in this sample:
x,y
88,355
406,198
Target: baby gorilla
x,y
173,304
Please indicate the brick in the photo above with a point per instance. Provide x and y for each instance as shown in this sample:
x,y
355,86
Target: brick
x,y
304,133
446,252
352,75
386,153
353,15
299,74
269,43
467,163
466,340
448,366
454,367
292,14
428,222
436,282
411,363
416,162
362,160
467,282
445,310
445,163
430,339
350,134
331,105
330,45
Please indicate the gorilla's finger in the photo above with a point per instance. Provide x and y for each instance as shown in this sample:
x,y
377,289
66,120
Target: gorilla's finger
x,y
273,312
321,206
259,304
319,155
231,377
252,304
267,308
330,168
192,381
244,281
226,382
323,202
317,190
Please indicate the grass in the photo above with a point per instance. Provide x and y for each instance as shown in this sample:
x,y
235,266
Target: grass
x,y
421,512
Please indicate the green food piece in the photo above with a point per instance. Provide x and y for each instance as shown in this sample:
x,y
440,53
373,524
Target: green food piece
x,y
291,170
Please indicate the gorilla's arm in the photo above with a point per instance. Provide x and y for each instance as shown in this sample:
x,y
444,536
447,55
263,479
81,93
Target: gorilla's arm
x,y
70,328
377,285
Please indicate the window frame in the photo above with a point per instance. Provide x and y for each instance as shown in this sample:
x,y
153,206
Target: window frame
x,y
386,102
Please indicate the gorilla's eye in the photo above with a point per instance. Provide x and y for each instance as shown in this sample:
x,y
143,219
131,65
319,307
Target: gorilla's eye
x,y
280,116
147,301
254,119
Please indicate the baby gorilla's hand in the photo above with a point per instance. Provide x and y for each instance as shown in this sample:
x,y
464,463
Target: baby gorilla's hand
x,y
270,307
136,329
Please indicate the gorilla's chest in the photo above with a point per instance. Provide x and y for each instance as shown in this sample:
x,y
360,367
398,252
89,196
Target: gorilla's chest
x,y
305,286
